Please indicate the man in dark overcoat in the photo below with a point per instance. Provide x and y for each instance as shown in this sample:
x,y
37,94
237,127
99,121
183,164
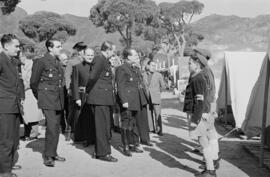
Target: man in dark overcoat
x,y
47,81
131,98
100,99
11,99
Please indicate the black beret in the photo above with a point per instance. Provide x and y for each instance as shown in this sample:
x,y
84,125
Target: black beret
x,y
79,46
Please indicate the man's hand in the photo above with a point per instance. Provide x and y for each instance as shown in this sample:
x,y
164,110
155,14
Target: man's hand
x,y
79,102
205,116
125,105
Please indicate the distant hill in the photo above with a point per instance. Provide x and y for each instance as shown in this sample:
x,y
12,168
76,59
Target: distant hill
x,y
220,32
233,32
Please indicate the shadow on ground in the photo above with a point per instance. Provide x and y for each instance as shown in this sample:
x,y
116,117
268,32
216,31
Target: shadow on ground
x,y
172,154
175,121
37,145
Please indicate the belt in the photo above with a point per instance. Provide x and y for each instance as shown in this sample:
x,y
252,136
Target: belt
x,y
82,89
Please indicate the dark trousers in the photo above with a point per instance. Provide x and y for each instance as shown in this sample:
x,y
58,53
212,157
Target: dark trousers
x,y
73,113
53,119
73,120
142,124
86,125
65,126
9,140
103,129
129,133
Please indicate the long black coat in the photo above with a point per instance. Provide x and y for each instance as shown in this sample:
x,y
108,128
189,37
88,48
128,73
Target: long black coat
x,y
80,75
47,81
99,86
130,87
11,85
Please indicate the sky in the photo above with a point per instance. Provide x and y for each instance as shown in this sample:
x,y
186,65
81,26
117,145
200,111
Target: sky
x,y
242,8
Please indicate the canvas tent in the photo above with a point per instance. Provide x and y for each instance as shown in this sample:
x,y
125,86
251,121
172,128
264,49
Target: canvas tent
x,y
239,76
252,124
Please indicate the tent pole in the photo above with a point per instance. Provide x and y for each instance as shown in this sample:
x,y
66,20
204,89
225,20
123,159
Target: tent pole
x,y
264,118
226,94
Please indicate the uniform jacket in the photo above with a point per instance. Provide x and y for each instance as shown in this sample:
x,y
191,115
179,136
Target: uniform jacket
x,y
154,86
130,86
210,81
47,81
194,102
80,76
11,85
99,86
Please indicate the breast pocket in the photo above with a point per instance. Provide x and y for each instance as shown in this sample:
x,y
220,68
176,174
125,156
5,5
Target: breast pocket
x,y
51,73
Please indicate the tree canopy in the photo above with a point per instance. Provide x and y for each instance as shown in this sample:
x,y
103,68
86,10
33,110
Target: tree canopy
x,y
175,19
128,17
43,25
8,6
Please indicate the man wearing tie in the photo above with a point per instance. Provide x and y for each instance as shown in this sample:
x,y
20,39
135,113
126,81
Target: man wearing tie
x,y
11,99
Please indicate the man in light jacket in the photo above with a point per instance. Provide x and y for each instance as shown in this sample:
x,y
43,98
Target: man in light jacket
x,y
155,82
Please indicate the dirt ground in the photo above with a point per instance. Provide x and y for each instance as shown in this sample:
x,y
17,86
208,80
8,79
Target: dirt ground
x,y
170,156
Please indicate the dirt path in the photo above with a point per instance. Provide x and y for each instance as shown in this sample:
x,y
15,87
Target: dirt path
x,y
170,156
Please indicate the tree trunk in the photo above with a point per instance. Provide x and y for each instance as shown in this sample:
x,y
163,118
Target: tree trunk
x,y
181,48
168,60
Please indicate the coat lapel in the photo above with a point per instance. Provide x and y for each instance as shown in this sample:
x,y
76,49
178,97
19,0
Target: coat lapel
x,y
11,65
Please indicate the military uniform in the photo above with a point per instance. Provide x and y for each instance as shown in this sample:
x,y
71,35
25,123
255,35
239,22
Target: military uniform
x,y
194,102
131,90
100,99
11,94
83,120
128,92
47,81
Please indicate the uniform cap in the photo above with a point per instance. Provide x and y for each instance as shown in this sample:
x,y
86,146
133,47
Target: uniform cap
x,y
199,58
203,52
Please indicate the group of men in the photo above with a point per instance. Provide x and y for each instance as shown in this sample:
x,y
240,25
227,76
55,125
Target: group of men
x,y
92,89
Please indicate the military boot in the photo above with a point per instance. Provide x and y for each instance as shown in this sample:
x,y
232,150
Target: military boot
x,y
124,136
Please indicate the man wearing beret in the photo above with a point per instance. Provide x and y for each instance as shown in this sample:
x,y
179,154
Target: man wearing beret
x,y
197,106
76,58
212,139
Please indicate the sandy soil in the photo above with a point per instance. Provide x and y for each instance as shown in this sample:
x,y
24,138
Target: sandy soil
x,y
170,156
